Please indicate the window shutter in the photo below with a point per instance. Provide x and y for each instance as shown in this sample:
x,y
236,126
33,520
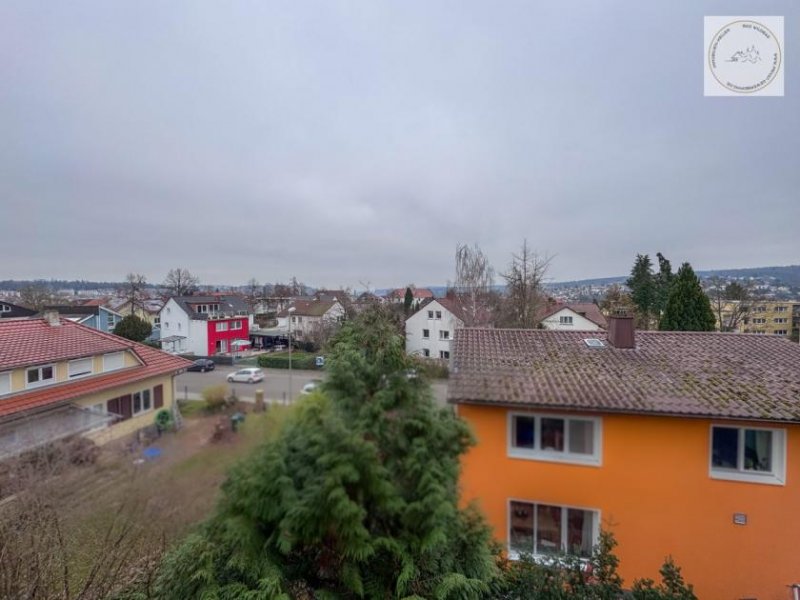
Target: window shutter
x,y
158,396
113,406
126,406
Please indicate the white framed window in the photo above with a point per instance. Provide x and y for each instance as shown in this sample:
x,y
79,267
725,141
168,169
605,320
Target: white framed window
x,y
110,321
426,352
438,314
5,308
426,334
5,383
752,454
142,402
444,334
540,529
781,309
222,326
113,361
444,354
157,321
80,368
565,320
236,325
555,437
37,376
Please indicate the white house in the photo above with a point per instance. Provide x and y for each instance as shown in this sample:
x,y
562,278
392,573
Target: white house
x,y
204,325
309,316
430,330
573,317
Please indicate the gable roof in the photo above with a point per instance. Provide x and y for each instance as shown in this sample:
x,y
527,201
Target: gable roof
x,y
308,308
28,342
16,310
726,375
227,304
418,293
588,310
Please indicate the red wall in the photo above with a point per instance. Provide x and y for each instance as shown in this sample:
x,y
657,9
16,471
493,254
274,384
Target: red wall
x,y
230,335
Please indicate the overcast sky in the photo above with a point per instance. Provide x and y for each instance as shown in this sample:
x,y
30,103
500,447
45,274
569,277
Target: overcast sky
x,y
347,142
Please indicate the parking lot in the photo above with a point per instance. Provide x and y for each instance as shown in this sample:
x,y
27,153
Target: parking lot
x,y
276,384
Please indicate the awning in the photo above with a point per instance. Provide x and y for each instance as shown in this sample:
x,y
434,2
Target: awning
x,y
26,433
240,343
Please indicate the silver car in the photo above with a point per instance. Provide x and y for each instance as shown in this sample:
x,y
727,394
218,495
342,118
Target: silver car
x,y
250,375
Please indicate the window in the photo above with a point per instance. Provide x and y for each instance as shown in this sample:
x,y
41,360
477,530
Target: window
x,y
748,454
780,320
36,376
5,308
141,402
546,530
426,334
438,314
222,326
444,354
166,324
781,309
430,314
110,321
157,321
554,437
112,362
444,334
236,324
426,352
80,367
781,332
5,383
759,321
565,320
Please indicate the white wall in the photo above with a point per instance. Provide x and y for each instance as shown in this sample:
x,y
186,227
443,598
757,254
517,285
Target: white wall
x,y
175,321
579,323
419,321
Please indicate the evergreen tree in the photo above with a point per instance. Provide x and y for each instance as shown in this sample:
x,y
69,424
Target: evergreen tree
x,y
643,290
133,328
662,284
356,497
408,301
688,307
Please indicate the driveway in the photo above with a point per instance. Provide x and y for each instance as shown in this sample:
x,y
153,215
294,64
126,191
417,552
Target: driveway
x,y
276,385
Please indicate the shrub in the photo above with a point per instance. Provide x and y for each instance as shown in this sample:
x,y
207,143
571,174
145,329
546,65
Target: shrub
x,y
215,397
300,360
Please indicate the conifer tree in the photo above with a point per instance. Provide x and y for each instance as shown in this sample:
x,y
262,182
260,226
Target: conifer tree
x,y
356,497
662,282
688,308
408,301
643,291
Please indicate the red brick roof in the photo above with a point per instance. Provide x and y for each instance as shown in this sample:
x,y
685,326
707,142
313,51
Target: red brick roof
x,y
27,342
72,340
729,375
416,292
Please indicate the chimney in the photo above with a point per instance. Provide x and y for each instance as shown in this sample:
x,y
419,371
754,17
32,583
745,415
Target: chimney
x,y
620,331
51,318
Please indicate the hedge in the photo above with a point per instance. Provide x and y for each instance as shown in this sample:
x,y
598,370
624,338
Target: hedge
x,y
300,360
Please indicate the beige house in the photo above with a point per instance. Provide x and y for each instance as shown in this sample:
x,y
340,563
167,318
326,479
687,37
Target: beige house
x,y
769,317
59,378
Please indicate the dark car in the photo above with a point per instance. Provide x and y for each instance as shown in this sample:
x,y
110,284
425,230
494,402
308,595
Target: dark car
x,y
202,365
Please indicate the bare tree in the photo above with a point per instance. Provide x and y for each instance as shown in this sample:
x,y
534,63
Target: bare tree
x,y
253,292
180,282
474,281
617,301
135,284
36,296
524,288
732,302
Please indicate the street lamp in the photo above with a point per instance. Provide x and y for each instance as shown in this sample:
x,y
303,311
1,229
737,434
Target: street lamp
x,y
290,311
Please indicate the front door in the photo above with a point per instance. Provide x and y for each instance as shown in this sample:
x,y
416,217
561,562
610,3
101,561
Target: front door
x,y
222,345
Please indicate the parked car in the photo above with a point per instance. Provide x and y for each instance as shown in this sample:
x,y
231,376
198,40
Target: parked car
x,y
202,365
250,375
311,386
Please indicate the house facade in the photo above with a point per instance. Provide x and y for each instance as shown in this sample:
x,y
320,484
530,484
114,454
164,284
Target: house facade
x,y
204,325
59,378
305,318
680,443
431,329
95,316
8,310
573,317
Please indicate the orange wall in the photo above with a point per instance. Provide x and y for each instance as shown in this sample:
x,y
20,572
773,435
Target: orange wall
x,y
654,492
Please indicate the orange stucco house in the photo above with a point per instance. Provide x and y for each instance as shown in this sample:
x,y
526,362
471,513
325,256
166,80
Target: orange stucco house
x,y
681,443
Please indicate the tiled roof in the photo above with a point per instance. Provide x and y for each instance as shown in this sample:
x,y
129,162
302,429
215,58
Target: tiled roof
x,y
675,373
417,293
25,342
308,308
588,310
70,340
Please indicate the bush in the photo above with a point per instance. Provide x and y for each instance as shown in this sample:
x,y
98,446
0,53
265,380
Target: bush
x,y
215,397
432,368
300,360
163,420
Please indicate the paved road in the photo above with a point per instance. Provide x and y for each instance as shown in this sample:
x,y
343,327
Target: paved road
x,y
275,384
